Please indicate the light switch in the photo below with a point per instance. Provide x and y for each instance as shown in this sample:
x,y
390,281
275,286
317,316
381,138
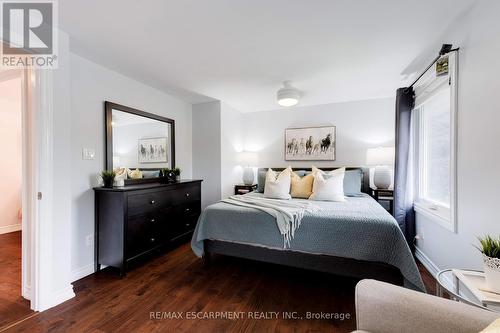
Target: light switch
x,y
88,153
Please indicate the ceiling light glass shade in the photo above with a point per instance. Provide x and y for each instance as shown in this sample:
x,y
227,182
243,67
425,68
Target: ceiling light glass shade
x,y
288,95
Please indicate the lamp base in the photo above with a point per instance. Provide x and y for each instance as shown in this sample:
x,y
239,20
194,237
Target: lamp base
x,y
382,177
248,176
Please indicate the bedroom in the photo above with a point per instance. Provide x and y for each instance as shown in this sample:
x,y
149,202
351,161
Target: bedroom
x,y
169,246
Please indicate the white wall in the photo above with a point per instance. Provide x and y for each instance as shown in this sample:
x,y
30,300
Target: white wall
x,y
232,142
10,146
207,150
91,85
360,125
478,160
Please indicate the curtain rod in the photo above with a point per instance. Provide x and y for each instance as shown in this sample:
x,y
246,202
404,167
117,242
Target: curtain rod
x,y
445,49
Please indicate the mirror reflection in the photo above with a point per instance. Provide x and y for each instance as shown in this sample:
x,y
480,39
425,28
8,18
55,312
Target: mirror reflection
x,y
141,145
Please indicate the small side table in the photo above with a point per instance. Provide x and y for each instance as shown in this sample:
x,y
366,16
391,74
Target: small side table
x,y
384,195
241,189
447,281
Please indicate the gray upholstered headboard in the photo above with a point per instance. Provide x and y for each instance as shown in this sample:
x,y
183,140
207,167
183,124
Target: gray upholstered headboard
x,y
365,184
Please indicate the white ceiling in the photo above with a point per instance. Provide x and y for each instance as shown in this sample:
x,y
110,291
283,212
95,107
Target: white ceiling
x,y
239,51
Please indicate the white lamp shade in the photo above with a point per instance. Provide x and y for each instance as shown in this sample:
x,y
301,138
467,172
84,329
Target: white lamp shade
x,y
248,158
380,156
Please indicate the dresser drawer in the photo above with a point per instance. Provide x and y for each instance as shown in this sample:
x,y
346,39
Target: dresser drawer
x,y
142,234
188,209
187,194
139,204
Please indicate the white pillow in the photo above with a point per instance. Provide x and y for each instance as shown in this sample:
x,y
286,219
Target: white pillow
x,y
328,186
278,186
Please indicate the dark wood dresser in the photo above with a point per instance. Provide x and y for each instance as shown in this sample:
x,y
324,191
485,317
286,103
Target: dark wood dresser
x,y
135,220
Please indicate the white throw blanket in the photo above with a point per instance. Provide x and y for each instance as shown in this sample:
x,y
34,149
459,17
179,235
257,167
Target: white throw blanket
x,y
288,214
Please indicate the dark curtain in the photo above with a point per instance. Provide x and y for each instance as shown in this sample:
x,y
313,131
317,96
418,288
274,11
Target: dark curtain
x,y
403,206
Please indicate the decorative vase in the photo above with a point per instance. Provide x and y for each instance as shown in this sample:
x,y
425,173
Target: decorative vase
x,y
492,273
171,177
248,176
108,182
382,177
178,178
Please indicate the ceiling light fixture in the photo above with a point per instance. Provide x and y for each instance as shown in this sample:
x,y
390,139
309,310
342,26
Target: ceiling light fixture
x,y
288,95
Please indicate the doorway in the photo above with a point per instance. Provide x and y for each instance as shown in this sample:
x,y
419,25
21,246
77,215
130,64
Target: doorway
x,y
13,306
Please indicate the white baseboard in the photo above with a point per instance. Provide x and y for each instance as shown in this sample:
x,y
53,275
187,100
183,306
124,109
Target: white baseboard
x,y
27,292
56,298
10,228
82,272
62,295
427,262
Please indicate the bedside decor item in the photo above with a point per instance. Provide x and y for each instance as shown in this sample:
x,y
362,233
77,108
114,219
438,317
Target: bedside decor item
x,y
108,178
248,160
381,158
288,95
310,144
490,248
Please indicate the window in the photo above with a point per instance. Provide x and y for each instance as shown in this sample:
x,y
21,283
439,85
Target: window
x,y
434,146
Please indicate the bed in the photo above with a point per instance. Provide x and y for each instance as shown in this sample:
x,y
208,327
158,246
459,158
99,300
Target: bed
x,y
356,238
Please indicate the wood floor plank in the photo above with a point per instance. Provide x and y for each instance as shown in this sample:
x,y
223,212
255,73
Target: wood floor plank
x,y
177,281
13,306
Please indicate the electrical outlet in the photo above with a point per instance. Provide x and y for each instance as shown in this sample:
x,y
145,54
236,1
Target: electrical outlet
x,y
88,153
89,240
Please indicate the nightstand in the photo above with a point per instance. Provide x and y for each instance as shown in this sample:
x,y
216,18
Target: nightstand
x,y
385,198
244,189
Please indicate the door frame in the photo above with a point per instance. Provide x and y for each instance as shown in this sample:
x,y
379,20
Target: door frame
x,y
37,191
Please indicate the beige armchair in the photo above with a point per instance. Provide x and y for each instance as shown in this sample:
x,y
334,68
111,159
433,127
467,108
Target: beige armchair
x,y
386,308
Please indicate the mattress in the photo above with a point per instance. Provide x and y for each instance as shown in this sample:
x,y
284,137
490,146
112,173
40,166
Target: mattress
x,y
358,228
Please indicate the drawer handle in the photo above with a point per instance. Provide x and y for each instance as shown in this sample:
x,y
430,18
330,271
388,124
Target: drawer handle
x,y
188,210
153,202
187,195
152,220
152,240
188,224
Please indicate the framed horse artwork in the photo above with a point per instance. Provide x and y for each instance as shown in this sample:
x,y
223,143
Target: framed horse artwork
x,y
310,144
152,150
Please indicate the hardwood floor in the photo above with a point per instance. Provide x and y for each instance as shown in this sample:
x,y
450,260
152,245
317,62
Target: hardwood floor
x,y
178,282
12,306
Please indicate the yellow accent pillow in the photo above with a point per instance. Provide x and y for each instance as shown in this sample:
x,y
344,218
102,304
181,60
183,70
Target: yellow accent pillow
x,y
134,174
301,186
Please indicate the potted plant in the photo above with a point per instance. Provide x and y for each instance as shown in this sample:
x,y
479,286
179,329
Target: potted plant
x,y
108,178
490,248
177,173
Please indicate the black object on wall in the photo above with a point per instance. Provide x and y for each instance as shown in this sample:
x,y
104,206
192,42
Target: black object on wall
x,y
403,209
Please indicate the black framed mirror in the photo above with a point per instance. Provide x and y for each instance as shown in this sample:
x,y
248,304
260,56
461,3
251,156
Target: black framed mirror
x,y
138,144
